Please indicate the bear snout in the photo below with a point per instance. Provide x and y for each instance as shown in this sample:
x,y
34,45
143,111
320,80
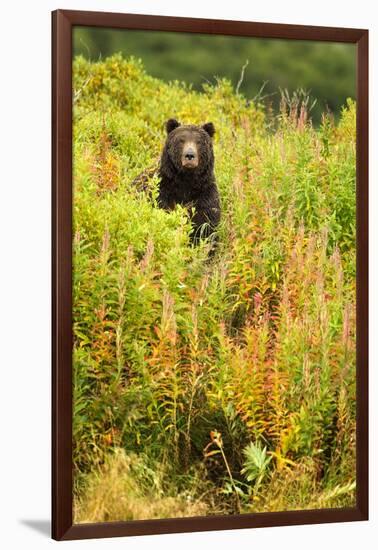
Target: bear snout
x,y
189,158
190,154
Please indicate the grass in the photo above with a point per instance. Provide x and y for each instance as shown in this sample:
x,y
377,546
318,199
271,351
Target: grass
x,y
222,386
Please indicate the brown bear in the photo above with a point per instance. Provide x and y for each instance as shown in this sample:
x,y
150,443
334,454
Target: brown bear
x,y
186,176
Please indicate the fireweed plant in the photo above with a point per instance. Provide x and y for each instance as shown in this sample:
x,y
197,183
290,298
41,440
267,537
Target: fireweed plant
x,y
223,386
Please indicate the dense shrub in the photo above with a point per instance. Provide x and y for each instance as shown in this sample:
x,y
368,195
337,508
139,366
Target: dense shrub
x,y
255,346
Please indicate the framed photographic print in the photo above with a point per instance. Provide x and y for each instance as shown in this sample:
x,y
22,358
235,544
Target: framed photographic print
x,y
210,268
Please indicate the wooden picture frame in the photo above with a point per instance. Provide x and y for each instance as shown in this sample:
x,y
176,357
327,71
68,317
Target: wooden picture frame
x,y
63,22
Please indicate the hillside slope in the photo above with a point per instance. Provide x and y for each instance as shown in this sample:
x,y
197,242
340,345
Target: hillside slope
x,y
211,387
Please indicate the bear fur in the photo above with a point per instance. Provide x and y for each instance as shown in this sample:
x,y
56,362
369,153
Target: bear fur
x,y
186,174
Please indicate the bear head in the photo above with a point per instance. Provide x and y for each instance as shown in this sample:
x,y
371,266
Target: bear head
x,y
188,148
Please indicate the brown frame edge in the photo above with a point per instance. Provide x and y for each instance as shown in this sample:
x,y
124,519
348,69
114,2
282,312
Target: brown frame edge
x,y
62,479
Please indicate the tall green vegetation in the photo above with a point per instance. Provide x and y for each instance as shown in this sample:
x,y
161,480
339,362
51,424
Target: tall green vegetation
x,y
211,386
326,70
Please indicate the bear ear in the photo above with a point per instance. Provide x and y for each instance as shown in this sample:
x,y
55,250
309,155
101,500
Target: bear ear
x,y
209,128
171,124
